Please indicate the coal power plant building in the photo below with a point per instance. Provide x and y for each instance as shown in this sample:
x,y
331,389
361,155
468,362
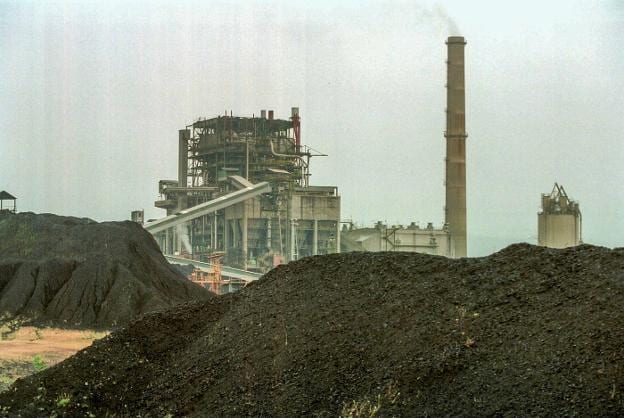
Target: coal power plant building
x,y
243,199
243,194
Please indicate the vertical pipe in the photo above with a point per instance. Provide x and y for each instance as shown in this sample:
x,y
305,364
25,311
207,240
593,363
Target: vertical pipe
x,y
293,231
296,123
338,236
244,235
226,233
215,232
268,238
183,139
203,219
580,227
253,118
247,158
315,238
455,208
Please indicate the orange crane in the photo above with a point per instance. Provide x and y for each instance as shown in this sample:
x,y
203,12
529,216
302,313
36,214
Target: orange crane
x,y
211,280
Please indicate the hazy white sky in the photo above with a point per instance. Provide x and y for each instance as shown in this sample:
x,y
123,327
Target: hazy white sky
x,y
92,95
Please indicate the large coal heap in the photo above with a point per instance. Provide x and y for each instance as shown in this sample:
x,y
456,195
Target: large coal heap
x,y
76,272
526,331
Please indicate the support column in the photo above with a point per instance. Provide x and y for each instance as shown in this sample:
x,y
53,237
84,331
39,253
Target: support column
x,y
214,232
338,236
226,234
183,138
315,238
293,233
244,235
177,239
269,238
166,243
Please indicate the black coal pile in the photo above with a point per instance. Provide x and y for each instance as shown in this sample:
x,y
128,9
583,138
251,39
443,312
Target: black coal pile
x,y
526,331
75,272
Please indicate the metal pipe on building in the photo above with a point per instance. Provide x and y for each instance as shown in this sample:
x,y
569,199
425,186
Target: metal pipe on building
x,y
296,121
184,136
293,244
226,234
315,238
253,118
268,235
244,237
305,165
455,134
338,237
213,236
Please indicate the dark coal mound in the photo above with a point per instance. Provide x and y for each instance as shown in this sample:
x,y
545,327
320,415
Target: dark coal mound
x,y
527,331
80,273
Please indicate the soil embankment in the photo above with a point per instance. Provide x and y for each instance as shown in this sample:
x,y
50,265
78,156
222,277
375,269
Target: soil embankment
x,y
73,272
526,331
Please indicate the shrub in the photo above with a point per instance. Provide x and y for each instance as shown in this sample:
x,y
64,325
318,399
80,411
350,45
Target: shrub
x,y
38,363
63,400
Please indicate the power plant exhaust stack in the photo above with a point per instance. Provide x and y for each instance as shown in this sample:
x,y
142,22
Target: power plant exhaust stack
x,y
455,134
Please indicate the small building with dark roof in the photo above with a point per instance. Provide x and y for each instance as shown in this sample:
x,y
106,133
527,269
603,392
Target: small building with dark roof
x,y
8,202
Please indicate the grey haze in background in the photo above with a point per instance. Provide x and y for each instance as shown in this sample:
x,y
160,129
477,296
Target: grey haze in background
x,y
92,95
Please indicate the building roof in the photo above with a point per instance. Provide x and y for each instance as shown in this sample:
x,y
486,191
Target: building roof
x,y
7,196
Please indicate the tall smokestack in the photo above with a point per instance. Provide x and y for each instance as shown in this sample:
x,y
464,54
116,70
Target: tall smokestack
x,y
455,209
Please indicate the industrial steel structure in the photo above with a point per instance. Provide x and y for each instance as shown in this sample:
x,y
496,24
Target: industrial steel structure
x,y
451,239
559,222
243,190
